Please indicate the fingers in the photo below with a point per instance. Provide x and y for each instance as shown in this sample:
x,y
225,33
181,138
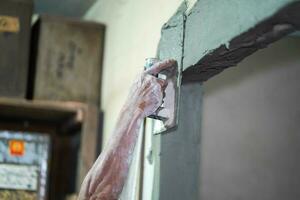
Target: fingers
x,y
153,80
163,83
157,67
151,93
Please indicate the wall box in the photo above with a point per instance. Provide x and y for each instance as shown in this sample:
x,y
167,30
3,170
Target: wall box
x,y
15,19
67,57
24,164
74,131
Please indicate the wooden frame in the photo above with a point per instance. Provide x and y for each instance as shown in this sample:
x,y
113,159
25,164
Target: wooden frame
x,y
63,118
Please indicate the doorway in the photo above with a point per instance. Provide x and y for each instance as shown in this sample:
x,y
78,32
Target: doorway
x,y
251,131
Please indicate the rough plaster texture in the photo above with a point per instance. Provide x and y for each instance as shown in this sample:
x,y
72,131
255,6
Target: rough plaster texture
x,y
179,158
179,165
212,23
251,133
172,37
209,49
190,4
133,33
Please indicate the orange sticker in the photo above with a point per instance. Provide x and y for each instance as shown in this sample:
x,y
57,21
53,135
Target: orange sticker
x,y
16,147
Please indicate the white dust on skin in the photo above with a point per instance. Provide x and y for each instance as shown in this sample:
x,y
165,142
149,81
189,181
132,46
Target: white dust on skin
x,y
106,178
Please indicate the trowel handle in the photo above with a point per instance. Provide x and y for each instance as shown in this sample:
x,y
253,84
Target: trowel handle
x,y
149,64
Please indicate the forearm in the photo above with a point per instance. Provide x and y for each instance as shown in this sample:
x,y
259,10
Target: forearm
x,y
106,178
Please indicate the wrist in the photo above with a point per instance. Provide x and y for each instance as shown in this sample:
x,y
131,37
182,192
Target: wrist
x,y
140,113
133,111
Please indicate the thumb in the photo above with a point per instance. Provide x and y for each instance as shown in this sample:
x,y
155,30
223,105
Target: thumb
x,y
163,83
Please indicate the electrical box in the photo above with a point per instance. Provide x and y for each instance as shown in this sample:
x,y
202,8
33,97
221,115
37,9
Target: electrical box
x,y
24,164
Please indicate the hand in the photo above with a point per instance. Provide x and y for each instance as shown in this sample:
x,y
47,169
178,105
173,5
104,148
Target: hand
x,y
147,91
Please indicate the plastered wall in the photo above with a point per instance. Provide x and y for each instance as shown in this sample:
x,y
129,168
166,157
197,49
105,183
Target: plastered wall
x,y
251,133
133,33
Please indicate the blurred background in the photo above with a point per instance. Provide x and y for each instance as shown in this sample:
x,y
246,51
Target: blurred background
x,y
65,71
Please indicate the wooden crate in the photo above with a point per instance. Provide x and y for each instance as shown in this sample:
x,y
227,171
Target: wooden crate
x,y
68,60
15,26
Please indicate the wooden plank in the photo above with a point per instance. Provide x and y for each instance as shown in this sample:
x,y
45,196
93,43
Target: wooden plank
x,y
89,141
68,60
47,111
15,27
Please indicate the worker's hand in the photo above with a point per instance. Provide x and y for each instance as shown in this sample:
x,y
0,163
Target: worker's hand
x,y
147,92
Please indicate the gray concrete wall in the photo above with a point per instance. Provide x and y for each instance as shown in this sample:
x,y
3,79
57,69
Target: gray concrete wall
x,y
251,128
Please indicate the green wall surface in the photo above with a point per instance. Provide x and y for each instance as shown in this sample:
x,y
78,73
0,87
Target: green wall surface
x,y
213,23
188,37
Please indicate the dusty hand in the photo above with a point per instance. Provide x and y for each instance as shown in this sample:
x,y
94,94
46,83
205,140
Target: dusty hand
x,y
147,92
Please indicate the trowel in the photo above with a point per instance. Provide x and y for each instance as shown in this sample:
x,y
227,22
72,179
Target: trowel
x,y
166,116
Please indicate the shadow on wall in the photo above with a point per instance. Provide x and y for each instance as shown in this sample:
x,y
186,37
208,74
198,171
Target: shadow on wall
x,y
251,130
283,52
